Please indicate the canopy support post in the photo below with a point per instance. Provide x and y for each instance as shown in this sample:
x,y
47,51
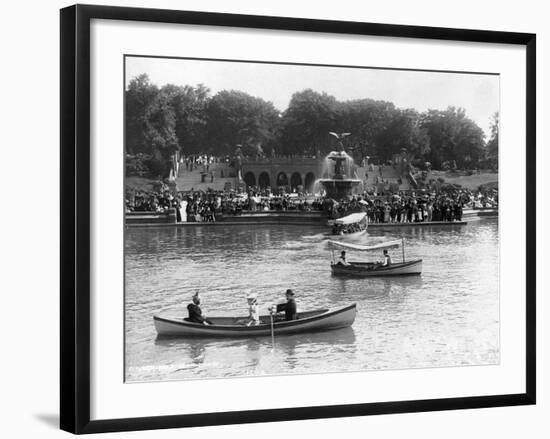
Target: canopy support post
x,y
403,247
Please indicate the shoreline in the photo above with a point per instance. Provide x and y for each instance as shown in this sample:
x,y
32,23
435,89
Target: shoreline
x,y
291,219
292,223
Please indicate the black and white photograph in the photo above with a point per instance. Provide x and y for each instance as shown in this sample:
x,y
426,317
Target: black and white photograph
x,y
285,219
272,219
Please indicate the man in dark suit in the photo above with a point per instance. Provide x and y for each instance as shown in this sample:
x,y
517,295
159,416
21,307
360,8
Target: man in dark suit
x,y
289,307
195,311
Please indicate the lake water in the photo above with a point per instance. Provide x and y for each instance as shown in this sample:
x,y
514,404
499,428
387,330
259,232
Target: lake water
x,y
448,316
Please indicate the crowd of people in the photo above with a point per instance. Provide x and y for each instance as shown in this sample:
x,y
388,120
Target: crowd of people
x,y
402,207
416,210
202,161
207,206
417,206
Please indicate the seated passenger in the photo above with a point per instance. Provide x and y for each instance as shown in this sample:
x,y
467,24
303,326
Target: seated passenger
x,y
387,259
195,311
342,259
253,318
289,307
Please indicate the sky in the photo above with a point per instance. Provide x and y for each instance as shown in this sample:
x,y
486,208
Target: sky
x,y
477,93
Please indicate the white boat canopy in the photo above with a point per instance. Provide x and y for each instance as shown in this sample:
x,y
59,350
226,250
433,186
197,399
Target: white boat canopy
x,y
363,248
351,219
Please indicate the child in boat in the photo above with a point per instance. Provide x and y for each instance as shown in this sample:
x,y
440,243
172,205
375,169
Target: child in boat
x,y
253,318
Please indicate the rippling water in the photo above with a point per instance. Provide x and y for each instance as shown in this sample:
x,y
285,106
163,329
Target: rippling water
x,y
448,316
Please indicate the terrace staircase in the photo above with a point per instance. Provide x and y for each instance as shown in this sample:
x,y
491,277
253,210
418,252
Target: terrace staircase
x,y
187,180
389,174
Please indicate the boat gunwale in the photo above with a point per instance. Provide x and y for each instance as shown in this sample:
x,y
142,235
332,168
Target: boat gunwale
x,y
393,264
241,328
359,270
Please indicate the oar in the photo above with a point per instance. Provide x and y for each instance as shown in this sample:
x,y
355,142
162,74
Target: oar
x,y
272,330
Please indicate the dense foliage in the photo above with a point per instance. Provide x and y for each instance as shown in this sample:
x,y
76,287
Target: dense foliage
x,y
160,121
492,144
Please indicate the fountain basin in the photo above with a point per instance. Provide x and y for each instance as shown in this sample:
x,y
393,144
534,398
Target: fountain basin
x,y
339,189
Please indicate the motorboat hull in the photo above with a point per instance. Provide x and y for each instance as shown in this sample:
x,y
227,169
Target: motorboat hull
x,y
346,236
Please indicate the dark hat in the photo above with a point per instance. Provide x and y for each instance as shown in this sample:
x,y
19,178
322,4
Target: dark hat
x,y
343,252
290,292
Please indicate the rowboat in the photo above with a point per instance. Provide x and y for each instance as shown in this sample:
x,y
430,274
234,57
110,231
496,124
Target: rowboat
x,y
309,321
367,269
349,227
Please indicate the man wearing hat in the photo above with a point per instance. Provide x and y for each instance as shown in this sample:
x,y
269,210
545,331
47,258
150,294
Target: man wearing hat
x,y
289,307
195,311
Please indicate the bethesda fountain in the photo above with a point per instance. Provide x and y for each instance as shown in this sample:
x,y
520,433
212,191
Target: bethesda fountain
x,y
339,186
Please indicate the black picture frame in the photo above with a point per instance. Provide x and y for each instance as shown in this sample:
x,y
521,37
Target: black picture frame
x,y
75,218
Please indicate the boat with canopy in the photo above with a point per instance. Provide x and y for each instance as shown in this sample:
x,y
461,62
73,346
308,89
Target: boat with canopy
x,y
365,269
308,321
349,226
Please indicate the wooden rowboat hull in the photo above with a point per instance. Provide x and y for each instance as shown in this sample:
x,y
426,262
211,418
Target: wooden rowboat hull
x,y
312,321
367,270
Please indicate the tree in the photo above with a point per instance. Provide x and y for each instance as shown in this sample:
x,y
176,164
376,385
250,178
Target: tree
x,y
139,95
492,144
189,105
453,137
366,119
186,118
160,131
162,121
307,121
402,131
235,118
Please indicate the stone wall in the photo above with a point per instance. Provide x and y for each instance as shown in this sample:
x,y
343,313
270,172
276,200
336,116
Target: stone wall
x,y
282,171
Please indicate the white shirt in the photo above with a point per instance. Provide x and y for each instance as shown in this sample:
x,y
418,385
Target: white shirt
x,y
342,260
254,314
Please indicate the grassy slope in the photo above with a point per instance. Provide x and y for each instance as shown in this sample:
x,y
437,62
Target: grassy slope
x,y
140,183
467,181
